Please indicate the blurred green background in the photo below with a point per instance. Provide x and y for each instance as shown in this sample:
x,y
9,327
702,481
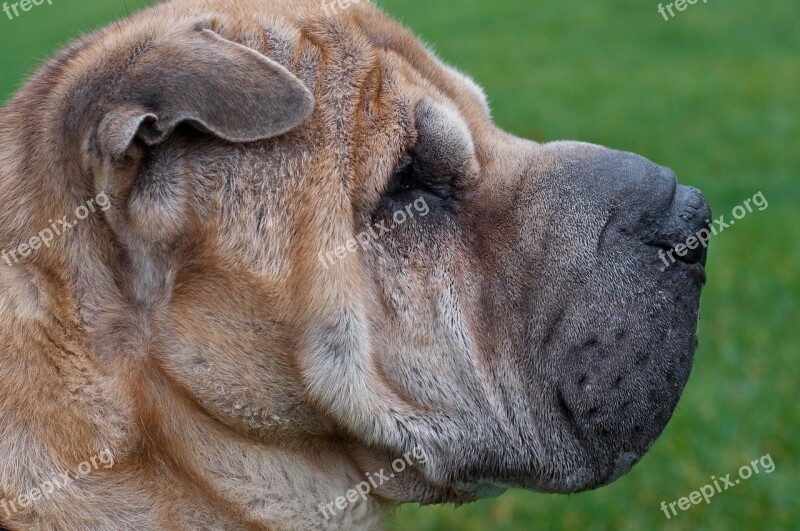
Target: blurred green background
x,y
713,93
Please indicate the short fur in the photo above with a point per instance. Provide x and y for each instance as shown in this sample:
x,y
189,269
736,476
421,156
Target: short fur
x,y
521,333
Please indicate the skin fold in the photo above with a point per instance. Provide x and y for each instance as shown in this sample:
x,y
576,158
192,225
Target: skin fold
x,y
318,255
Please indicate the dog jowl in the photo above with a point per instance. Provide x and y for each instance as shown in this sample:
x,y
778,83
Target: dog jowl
x,y
522,332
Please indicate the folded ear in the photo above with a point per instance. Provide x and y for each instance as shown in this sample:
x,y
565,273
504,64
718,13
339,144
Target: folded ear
x,y
213,84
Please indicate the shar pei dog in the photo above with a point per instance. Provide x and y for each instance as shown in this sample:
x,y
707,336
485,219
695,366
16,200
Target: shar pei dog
x,y
269,264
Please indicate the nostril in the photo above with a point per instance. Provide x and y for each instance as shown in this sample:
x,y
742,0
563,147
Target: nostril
x,y
685,229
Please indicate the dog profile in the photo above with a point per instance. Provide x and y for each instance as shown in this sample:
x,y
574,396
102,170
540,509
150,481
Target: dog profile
x,y
258,322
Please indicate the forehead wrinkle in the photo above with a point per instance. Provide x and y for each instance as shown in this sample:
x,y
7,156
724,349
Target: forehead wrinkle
x,y
450,121
387,35
346,62
357,61
387,127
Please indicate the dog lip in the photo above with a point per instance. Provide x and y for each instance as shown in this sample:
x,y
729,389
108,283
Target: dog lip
x,y
698,270
623,464
584,403
694,271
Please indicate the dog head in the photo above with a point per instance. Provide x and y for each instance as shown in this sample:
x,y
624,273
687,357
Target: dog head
x,y
317,232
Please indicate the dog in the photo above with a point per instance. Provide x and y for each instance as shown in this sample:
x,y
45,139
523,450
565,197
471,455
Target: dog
x,y
204,310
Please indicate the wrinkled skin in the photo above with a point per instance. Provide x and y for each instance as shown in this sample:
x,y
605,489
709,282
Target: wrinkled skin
x,y
523,331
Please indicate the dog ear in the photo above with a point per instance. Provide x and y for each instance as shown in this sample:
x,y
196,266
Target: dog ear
x,y
206,81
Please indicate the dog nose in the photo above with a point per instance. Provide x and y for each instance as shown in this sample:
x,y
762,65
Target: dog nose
x,y
685,228
645,203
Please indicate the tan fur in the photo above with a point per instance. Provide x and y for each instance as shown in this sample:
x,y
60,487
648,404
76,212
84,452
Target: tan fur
x,y
85,367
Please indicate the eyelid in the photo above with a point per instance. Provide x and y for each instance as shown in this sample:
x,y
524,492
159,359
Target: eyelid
x,y
440,186
445,142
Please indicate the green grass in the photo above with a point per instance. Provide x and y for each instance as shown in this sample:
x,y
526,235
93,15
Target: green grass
x,y
714,93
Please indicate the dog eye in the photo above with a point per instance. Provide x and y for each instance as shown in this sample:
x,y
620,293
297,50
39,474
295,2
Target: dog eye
x,y
405,176
409,178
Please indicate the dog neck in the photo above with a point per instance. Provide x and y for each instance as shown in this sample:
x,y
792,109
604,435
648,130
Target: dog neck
x,y
65,400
